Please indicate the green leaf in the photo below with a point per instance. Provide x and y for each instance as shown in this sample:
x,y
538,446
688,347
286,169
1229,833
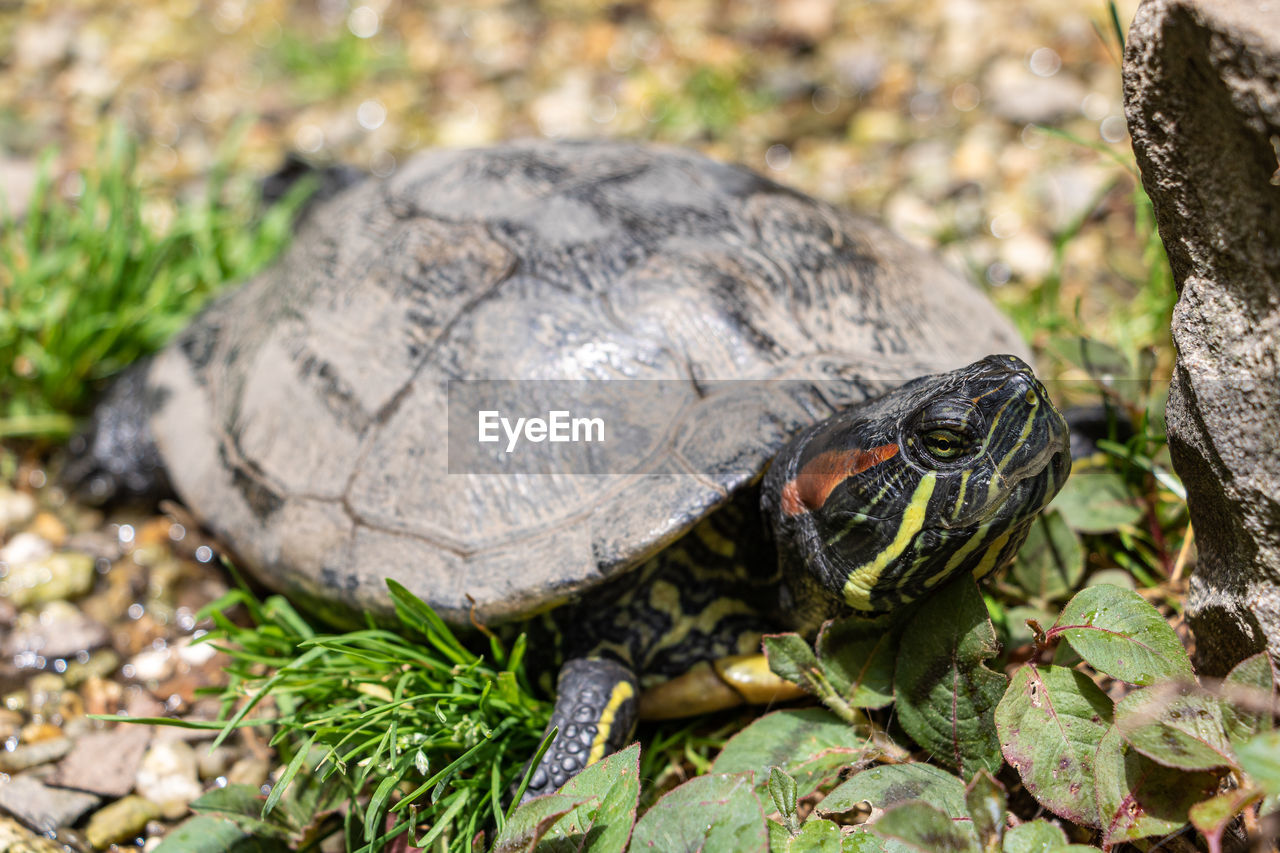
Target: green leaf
x,y
241,804
890,784
375,813
1120,634
946,694
782,790
1260,758
607,793
815,836
1178,727
290,771
856,655
594,810
1248,694
715,812
1095,501
1212,816
921,827
1137,797
531,821
861,841
1051,721
1051,561
811,744
985,801
791,658
208,834
1036,836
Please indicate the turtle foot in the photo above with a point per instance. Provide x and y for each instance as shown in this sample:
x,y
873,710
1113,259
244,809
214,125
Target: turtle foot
x,y
595,713
115,458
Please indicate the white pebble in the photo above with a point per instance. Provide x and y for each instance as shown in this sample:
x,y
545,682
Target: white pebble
x,y
152,664
167,777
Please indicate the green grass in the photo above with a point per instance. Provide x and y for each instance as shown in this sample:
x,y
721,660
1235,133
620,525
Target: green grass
x,y
324,69
709,103
410,728
91,282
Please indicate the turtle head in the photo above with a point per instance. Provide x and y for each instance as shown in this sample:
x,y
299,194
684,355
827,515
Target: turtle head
x,y
885,501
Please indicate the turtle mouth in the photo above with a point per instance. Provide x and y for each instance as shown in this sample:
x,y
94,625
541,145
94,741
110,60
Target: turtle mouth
x,y
1052,464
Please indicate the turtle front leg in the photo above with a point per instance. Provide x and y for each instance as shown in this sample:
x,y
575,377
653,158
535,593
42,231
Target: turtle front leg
x,y
595,710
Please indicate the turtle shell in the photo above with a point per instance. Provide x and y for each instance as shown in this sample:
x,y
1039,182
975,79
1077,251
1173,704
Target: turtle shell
x,y
302,417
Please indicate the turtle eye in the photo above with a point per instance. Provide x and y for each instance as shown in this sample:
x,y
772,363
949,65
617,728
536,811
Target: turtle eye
x,y
944,444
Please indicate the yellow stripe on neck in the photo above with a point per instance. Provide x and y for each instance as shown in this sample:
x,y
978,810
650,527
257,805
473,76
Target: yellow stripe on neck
x,y
857,589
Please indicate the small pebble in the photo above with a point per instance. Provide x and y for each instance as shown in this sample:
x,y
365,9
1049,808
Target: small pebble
x,y
250,770
121,821
33,754
153,664
59,630
214,763
168,777
100,695
26,547
68,574
40,732
16,509
99,665
193,653
49,527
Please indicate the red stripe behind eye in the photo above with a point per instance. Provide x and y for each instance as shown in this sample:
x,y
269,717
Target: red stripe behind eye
x,y
820,475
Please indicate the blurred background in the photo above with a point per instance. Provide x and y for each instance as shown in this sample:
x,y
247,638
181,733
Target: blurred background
x,y
991,128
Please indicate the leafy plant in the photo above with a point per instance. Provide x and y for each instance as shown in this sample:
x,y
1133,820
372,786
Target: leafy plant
x,y
1115,772
91,281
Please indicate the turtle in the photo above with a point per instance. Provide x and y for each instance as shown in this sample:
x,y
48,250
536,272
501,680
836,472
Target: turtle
x,y
821,427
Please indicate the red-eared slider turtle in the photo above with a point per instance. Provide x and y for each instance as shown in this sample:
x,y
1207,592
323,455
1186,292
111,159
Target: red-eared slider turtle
x,y
303,417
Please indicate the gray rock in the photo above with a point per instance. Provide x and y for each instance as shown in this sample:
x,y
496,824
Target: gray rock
x,y
105,762
1202,96
59,630
34,754
40,807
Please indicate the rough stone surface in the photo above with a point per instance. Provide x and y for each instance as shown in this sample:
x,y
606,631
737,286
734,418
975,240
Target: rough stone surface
x,y
34,754
41,807
1202,96
105,762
